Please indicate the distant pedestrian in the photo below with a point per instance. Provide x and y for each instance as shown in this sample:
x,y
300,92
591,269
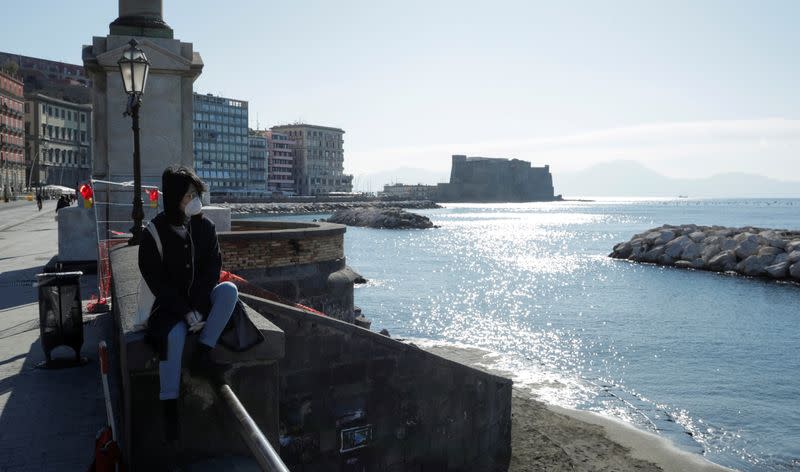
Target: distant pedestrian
x,y
63,201
39,200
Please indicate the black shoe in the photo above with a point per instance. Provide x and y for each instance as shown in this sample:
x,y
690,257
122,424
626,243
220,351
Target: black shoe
x,y
171,420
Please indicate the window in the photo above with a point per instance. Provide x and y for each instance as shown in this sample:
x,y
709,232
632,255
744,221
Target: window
x,y
69,115
63,115
83,117
83,136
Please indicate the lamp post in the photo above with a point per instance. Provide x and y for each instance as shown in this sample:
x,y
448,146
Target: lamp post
x,y
134,67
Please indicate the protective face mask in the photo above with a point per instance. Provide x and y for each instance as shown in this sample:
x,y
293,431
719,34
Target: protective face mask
x,y
194,207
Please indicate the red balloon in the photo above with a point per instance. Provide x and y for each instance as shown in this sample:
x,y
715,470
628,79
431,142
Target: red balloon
x,y
86,191
154,195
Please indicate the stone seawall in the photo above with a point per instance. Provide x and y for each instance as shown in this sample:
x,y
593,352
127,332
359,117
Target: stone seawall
x,y
351,399
303,262
773,253
321,207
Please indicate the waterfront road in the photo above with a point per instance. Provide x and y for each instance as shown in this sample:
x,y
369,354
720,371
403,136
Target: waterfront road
x,y
48,418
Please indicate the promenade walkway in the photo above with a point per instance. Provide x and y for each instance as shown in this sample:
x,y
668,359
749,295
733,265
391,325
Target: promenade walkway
x,y
48,418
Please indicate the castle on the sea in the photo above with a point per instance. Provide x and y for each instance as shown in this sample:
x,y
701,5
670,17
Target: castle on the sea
x,y
485,180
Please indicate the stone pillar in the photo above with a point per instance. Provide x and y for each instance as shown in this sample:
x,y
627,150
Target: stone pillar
x,y
141,18
166,111
145,8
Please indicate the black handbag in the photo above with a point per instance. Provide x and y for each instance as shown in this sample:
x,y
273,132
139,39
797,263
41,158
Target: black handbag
x,y
240,334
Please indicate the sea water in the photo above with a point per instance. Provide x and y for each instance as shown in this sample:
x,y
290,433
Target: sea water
x,y
710,361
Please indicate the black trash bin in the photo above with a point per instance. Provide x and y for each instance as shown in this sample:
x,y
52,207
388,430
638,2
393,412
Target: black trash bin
x,y
60,312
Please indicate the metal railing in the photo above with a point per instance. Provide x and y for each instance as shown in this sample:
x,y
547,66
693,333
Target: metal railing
x,y
112,207
262,450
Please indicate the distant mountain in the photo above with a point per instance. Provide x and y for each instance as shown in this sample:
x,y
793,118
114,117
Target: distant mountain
x,y
632,179
374,182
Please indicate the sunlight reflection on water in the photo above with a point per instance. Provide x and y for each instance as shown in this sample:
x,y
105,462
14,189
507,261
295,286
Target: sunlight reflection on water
x,y
661,348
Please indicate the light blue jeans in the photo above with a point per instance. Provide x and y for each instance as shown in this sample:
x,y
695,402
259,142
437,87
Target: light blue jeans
x,y
223,301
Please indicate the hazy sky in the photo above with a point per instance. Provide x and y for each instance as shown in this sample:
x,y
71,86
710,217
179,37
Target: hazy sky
x,y
688,88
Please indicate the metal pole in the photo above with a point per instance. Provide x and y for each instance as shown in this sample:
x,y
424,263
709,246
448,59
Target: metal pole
x,y
265,455
138,210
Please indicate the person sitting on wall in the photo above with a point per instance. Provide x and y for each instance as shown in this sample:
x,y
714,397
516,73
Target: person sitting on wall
x,y
184,281
63,202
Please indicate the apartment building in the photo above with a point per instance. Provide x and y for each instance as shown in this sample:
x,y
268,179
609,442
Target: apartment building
x,y
318,151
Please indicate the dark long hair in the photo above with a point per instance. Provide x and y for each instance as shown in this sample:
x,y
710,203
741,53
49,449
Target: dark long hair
x,y
175,182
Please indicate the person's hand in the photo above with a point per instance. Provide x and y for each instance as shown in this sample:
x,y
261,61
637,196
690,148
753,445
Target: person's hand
x,y
195,321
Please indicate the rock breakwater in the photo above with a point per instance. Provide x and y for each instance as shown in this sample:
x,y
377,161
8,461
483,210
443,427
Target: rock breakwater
x,y
390,218
320,207
758,252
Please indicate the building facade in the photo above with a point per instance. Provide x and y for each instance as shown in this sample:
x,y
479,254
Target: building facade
x,y
55,79
51,70
409,192
258,153
318,159
58,147
221,144
280,162
12,135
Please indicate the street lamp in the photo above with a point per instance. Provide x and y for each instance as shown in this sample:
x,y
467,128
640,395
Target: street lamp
x,y
134,67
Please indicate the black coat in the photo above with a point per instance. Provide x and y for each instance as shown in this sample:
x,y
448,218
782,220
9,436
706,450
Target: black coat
x,y
183,280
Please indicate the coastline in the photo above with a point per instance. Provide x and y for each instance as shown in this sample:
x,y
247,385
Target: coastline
x,y
303,208
552,438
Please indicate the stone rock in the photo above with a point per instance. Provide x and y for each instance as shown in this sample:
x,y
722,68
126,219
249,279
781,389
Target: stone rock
x,y
750,266
372,217
777,271
794,256
772,239
637,250
683,264
699,264
697,236
665,237
782,257
746,248
691,251
794,270
709,251
724,261
728,244
651,236
675,247
792,245
653,254
742,236
622,250
769,250
664,259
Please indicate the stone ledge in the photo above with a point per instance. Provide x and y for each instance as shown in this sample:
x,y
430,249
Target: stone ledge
x,y
138,356
245,230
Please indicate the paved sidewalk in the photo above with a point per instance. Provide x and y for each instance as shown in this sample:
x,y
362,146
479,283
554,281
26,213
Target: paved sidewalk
x,y
48,418
14,214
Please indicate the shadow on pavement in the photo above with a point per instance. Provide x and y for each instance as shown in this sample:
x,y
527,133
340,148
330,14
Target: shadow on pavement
x,y
50,418
17,287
